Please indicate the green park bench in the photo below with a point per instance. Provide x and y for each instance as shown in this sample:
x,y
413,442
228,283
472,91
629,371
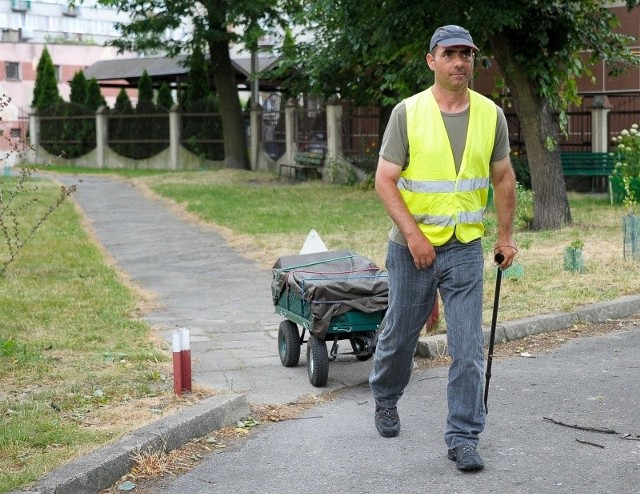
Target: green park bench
x,y
587,164
306,164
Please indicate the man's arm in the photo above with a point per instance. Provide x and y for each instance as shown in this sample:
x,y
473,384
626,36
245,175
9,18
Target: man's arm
x,y
387,175
503,180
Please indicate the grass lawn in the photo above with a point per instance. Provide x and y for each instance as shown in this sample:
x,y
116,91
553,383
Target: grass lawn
x,y
266,219
77,367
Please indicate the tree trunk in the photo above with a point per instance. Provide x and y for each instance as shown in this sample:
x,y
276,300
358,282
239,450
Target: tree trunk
x,y
233,128
540,129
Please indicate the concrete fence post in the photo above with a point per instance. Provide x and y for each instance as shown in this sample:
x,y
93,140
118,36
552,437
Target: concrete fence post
x,y
175,134
290,129
34,135
334,128
600,109
256,135
102,136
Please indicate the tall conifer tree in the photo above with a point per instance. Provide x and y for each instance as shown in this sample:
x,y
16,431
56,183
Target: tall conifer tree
x,y
94,97
164,98
78,89
123,103
198,89
145,94
45,90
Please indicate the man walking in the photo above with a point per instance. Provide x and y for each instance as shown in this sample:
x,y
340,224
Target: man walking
x,y
441,149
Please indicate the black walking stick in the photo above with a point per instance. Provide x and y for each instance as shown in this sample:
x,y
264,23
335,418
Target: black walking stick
x,y
498,258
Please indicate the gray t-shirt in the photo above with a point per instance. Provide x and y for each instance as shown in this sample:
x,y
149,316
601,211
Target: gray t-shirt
x,y
395,143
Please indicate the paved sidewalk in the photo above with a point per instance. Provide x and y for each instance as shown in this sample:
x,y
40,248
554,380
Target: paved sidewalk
x,y
201,283
225,300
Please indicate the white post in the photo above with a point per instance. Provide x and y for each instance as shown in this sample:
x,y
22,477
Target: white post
x,y
334,130
102,136
256,135
34,134
290,129
174,137
599,124
600,108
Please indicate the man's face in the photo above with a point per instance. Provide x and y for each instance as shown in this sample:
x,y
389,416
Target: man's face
x,y
452,66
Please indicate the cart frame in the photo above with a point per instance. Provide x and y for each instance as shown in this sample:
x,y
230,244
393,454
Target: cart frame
x,y
356,326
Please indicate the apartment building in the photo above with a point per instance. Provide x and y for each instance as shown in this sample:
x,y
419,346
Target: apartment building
x,y
75,38
54,21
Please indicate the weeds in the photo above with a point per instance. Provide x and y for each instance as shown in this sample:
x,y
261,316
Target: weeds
x,y
151,463
22,214
21,211
524,208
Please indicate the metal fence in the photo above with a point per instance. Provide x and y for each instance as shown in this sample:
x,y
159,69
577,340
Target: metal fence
x,y
361,136
13,135
362,129
138,136
625,112
202,134
273,127
311,129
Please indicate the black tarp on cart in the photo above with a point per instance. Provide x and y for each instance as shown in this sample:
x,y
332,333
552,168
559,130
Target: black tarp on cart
x,y
318,287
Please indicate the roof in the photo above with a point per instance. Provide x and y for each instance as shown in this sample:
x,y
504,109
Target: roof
x,y
130,68
125,72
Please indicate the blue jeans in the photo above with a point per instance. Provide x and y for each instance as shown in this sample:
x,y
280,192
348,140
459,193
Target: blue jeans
x,y
457,274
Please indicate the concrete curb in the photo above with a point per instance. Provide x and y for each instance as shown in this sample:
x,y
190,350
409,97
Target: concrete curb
x,y
104,467
436,346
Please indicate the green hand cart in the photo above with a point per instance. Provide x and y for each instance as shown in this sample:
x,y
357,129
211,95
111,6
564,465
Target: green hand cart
x,y
332,296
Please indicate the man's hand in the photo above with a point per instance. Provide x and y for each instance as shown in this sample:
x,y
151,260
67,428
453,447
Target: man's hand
x,y
387,175
508,250
422,250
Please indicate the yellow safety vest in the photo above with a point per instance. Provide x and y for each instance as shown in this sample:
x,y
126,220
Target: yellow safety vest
x,y
441,201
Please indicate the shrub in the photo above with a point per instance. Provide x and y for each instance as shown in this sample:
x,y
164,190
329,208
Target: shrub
x,y
524,208
626,173
67,130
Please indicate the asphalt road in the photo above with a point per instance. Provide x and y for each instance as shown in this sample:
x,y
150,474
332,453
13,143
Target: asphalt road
x,y
589,383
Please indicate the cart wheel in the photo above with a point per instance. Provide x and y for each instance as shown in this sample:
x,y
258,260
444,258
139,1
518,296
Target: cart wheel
x,y
317,361
289,343
360,349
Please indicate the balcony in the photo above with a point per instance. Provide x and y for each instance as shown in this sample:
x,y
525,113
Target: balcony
x,y
20,5
70,10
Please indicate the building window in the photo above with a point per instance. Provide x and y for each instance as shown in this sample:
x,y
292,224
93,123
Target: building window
x,y
56,68
20,5
13,71
15,132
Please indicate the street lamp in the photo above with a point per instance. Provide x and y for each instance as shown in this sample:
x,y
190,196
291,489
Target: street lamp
x,y
256,114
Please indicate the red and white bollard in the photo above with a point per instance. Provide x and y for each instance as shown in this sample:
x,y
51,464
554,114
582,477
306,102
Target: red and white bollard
x,y
185,358
181,346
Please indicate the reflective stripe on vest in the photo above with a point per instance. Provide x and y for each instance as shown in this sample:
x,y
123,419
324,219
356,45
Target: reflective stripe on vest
x,y
441,201
433,187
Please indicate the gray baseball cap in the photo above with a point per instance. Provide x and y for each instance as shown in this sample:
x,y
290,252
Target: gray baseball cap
x,y
452,35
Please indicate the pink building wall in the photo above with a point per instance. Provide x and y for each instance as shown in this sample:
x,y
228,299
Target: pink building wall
x,y
70,59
